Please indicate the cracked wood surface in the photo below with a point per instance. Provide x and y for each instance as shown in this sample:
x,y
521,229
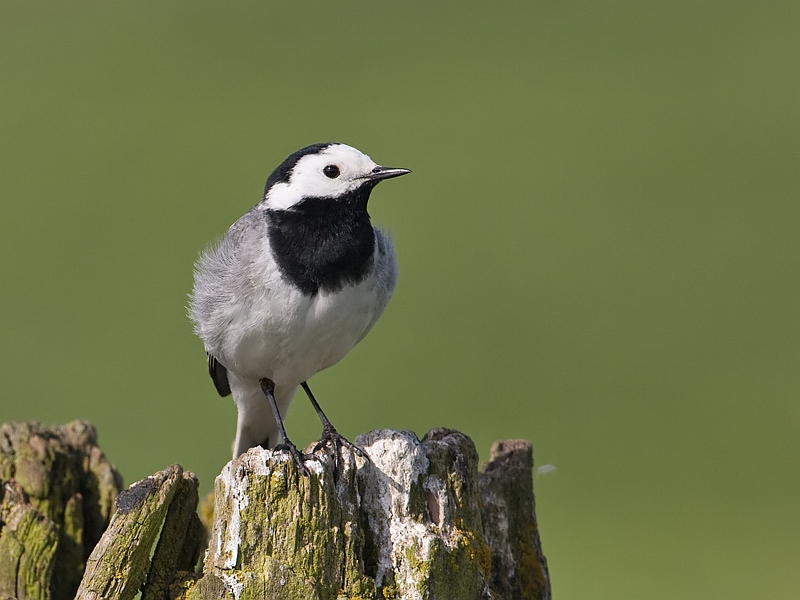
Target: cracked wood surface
x,y
57,494
419,520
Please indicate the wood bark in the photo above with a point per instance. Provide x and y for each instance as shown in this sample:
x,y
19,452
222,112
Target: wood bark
x,y
418,520
57,493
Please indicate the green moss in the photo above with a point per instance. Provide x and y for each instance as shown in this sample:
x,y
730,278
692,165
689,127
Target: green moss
x,y
315,538
209,587
389,592
70,555
28,545
456,571
6,467
50,468
532,578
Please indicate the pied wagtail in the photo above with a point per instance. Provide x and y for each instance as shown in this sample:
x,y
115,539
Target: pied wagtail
x,y
290,289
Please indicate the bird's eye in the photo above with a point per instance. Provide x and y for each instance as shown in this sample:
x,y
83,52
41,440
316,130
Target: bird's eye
x,y
331,171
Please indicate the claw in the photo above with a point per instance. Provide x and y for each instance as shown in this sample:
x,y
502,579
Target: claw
x,y
297,456
333,440
331,437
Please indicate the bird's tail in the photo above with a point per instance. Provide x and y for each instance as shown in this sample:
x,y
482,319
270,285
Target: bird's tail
x,y
256,425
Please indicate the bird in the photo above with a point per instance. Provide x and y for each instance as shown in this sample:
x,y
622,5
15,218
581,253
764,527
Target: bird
x,y
291,288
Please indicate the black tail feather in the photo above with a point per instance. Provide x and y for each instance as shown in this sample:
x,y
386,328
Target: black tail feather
x,y
219,375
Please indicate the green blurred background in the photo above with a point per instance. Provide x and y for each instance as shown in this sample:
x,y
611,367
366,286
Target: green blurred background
x,y
598,248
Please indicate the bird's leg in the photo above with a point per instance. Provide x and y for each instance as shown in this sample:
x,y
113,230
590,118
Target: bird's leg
x,y
268,387
329,433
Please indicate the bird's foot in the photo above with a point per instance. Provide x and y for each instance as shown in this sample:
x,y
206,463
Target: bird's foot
x,y
298,457
332,442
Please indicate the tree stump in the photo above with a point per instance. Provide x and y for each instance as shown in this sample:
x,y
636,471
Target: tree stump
x,y
154,539
417,521
57,493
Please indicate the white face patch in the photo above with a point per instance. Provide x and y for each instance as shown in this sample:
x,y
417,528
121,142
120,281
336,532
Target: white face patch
x,y
308,177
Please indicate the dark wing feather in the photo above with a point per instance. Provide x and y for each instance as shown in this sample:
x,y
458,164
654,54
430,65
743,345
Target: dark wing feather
x,y
219,375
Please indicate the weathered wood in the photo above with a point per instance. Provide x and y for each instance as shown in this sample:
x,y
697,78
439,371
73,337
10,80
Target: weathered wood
x,y
409,524
417,521
57,494
27,551
519,569
152,536
181,540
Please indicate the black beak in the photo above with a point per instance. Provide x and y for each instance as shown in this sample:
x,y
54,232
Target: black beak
x,y
381,173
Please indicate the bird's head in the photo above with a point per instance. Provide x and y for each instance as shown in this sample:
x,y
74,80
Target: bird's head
x,y
326,170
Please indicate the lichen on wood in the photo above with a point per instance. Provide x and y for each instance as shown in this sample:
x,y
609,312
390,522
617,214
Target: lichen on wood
x,y
519,569
153,536
407,524
417,521
57,494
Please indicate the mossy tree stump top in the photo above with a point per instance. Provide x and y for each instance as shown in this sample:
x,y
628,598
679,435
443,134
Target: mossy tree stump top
x,y
57,494
419,520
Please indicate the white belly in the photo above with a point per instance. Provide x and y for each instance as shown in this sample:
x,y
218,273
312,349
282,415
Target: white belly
x,y
289,339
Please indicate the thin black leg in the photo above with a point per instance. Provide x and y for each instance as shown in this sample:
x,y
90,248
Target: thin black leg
x,y
268,387
329,434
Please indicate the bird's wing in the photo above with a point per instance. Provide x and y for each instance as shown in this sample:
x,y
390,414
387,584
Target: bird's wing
x,y
219,375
